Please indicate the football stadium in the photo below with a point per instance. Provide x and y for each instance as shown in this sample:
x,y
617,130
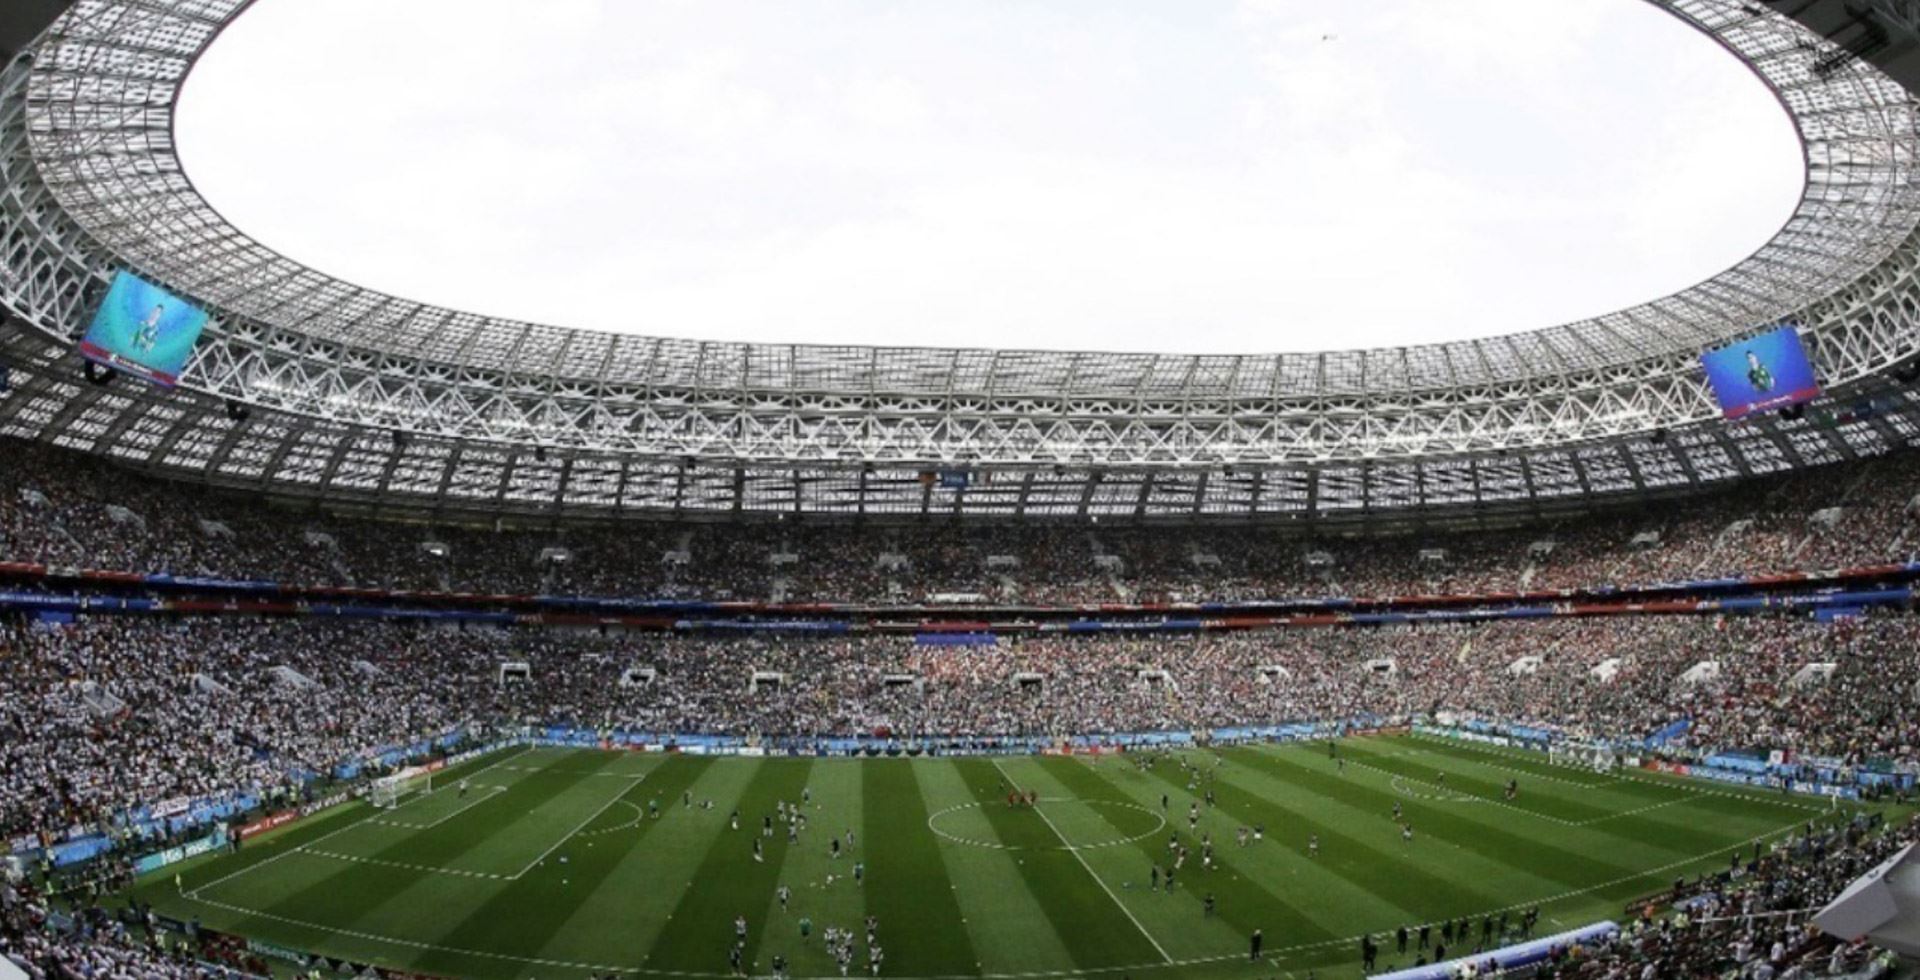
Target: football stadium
x,y
965,569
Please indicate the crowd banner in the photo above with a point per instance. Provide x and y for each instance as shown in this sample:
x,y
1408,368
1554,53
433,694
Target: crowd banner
x,y
181,852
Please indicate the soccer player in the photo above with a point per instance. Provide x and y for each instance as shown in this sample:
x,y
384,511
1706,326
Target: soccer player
x,y
1253,946
1207,906
1313,845
1757,374
463,789
1154,879
148,333
1400,938
1406,833
784,893
833,844
766,826
859,871
758,855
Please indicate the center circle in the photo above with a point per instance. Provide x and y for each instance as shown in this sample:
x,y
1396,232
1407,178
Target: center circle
x,y
967,823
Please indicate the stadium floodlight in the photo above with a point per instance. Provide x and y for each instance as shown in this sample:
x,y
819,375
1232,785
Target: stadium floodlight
x,y
1883,906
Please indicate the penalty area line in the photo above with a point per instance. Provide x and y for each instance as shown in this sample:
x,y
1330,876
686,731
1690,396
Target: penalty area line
x,y
575,832
194,893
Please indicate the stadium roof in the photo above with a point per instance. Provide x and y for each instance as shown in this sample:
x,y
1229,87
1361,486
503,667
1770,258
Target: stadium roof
x,y
359,395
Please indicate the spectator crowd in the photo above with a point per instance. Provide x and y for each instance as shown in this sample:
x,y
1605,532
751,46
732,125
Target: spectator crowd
x,y
67,510
100,714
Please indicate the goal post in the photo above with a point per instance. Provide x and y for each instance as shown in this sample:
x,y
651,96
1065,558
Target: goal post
x,y
1599,758
388,792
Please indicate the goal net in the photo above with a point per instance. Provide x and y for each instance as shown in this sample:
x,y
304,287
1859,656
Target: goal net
x,y
1596,757
388,791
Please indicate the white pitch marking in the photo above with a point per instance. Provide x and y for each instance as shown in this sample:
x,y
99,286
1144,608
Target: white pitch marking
x,y
493,790
1272,955
383,863
637,780
1082,858
194,894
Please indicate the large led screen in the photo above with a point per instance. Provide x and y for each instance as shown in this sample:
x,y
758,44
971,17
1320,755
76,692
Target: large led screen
x,y
143,330
1761,373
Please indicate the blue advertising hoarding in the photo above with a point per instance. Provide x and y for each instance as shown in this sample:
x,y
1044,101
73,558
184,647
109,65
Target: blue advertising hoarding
x,y
143,330
1761,373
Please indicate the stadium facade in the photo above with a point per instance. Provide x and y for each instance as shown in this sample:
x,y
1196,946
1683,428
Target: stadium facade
x,y
311,386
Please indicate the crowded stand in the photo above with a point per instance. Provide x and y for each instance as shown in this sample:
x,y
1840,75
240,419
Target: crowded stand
x,y
1750,920
92,719
102,716
62,510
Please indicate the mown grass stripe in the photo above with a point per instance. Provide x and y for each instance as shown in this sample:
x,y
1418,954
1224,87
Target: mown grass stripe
x,y
730,883
338,893
1644,831
1497,842
1096,932
1007,926
529,912
653,863
1379,867
1241,900
1536,797
824,888
1527,762
922,929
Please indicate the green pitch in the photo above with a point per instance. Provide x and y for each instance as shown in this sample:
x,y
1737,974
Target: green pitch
x,y
551,864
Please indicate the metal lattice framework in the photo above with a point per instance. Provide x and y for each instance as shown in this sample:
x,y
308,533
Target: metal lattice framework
x,y
497,414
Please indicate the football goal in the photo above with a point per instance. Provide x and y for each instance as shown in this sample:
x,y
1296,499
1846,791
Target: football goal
x,y
390,791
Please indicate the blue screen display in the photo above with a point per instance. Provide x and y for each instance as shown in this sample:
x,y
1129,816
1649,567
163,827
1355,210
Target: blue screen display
x,y
1761,373
143,330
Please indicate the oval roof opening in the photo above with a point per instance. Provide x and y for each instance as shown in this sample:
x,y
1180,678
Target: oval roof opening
x,y
1214,176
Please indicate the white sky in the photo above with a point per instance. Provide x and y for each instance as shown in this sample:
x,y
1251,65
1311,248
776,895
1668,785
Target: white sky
x,y
1175,175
